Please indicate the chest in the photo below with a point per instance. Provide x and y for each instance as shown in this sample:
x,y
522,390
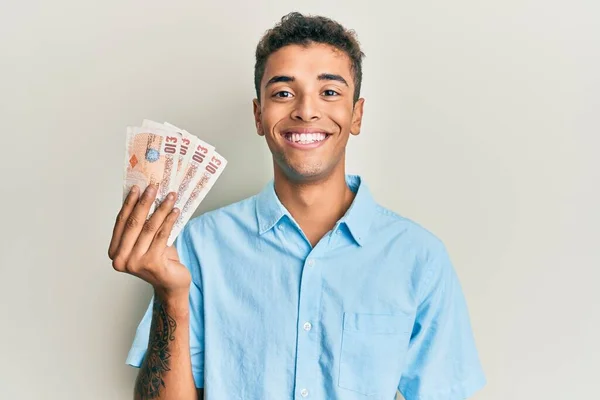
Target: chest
x,y
278,308
279,276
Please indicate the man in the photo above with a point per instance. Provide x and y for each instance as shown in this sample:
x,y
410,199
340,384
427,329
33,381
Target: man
x,y
309,289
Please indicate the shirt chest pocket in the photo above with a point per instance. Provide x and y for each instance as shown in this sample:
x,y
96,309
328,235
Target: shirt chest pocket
x,y
373,352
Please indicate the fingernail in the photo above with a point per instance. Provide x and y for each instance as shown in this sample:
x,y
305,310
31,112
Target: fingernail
x,y
176,211
170,196
134,189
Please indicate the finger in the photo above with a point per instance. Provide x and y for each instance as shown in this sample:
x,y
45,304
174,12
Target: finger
x,y
162,237
153,225
135,222
122,216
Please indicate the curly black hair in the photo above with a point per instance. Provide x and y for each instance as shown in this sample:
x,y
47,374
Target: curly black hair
x,y
296,28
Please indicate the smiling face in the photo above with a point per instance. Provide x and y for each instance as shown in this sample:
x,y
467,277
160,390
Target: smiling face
x,y
306,110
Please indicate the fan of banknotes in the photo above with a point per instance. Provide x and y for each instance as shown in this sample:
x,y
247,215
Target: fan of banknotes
x,y
173,160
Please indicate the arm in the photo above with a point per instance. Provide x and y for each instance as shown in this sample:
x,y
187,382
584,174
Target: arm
x,y
139,247
166,372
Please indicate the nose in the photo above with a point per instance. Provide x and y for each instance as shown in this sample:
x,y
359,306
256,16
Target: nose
x,y
306,109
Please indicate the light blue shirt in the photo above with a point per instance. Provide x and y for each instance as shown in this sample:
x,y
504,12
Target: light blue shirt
x,y
375,306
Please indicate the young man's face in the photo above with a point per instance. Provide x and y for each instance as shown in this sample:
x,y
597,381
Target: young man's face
x,y
306,110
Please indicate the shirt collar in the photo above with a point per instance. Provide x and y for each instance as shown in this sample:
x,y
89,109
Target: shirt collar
x,y
269,210
359,216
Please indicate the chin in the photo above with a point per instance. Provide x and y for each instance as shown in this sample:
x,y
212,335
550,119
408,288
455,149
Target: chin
x,y
304,172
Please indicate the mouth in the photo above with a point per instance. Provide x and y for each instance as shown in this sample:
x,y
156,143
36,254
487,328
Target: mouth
x,y
305,139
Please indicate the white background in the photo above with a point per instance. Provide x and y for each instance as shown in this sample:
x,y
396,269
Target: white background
x,y
481,123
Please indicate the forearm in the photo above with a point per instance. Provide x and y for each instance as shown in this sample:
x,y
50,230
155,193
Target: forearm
x,y
166,373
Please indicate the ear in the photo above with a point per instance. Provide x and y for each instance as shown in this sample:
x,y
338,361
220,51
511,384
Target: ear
x,y
357,115
257,117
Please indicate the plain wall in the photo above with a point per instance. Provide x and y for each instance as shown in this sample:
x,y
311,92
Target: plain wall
x,y
481,123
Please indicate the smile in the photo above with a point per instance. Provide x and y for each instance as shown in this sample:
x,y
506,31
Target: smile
x,y
305,140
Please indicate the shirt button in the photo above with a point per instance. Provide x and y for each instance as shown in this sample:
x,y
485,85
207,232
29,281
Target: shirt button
x,y
307,326
280,227
304,392
311,262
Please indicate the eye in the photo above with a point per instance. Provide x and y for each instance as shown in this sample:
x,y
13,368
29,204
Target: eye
x,y
283,94
330,92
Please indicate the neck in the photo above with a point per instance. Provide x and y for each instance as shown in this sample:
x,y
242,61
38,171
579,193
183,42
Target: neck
x,y
317,205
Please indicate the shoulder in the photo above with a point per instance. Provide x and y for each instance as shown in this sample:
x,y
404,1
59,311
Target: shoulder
x,y
431,265
424,242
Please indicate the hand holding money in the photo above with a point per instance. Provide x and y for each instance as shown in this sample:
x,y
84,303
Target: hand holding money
x,y
139,246
167,173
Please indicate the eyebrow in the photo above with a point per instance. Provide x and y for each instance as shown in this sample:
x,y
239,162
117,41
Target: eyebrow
x,y
321,77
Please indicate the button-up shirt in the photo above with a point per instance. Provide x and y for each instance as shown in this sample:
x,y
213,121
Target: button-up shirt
x,y
373,307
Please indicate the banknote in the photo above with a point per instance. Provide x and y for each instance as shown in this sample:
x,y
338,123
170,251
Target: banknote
x,y
188,143
201,154
173,160
151,159
212,169
174,140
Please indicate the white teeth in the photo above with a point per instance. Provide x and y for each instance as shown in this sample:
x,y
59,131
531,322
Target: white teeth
x,y
305,138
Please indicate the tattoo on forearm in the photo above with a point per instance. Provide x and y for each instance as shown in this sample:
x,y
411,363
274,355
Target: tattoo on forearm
x,y
158,356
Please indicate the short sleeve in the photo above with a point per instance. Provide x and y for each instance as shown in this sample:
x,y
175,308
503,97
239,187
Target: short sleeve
x,y
188,257
442,359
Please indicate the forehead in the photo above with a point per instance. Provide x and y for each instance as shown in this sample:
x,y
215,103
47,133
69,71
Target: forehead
x,y
307,62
